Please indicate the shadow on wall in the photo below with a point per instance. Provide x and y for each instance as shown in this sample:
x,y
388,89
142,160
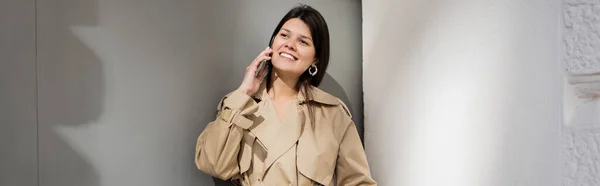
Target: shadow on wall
x,y
70,90
334,88
215,69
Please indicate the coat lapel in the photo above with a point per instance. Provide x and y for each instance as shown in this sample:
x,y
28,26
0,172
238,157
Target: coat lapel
x,y
310,158
245,157
316,153
286,137
260,123
296,129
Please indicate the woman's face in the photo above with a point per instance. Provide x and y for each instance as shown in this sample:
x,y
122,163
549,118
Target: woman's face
x,y
293,48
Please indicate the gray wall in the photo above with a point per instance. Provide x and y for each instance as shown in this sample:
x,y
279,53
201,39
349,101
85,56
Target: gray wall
x,y
18,141
125,87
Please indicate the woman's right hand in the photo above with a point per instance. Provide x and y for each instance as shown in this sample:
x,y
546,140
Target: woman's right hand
x,y
251,83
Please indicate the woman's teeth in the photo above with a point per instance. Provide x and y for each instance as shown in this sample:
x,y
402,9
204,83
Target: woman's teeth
x,y
287,56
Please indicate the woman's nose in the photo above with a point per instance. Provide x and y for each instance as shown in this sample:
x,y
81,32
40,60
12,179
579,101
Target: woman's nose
x,y
290,45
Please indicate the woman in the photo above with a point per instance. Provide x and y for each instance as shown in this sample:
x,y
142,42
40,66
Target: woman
x,y
285,131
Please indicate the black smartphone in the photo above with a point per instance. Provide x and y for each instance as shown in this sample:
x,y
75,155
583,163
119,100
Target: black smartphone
x,y
265,63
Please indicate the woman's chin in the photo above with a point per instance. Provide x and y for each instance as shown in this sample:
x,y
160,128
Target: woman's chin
x,y
286,70
282,67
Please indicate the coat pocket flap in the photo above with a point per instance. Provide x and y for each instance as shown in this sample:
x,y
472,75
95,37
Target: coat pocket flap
x,y
319,167
245,156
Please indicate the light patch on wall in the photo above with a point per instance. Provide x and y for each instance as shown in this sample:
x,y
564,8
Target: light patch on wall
x,y
461,97
456,88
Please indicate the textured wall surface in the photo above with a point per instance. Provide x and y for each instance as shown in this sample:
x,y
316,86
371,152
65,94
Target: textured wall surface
x,y
582,36
582,167
582,56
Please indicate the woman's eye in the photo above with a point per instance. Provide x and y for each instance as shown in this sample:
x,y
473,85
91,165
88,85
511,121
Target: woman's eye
x,y
303,42
284,35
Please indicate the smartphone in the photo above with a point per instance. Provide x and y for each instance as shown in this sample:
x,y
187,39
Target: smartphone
x,y
264,64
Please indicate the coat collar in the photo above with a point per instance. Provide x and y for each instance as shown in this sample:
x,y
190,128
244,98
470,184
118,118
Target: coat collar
x,y
318,96
309,161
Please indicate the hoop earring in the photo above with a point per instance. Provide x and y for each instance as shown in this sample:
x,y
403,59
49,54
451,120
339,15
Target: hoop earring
x,y
313,73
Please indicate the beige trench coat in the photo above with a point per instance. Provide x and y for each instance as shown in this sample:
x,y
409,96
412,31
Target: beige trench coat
x,y
239,145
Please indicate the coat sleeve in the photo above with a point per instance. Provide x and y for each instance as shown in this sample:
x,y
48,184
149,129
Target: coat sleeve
x,y
218,145
352,167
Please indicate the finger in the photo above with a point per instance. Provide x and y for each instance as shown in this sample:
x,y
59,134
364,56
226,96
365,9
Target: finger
x,y
268,52
263,53
256,59
259,61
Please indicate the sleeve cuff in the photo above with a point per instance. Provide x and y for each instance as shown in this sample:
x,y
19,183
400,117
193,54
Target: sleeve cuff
x,y
237,106
238,100
242,121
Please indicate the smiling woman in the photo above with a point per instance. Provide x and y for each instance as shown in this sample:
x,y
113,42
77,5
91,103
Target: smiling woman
x,y
284,130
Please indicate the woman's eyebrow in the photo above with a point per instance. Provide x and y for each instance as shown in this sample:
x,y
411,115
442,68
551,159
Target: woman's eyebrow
x,y
302,36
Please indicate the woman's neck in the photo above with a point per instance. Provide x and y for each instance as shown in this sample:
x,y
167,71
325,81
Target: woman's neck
x,y
282,87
